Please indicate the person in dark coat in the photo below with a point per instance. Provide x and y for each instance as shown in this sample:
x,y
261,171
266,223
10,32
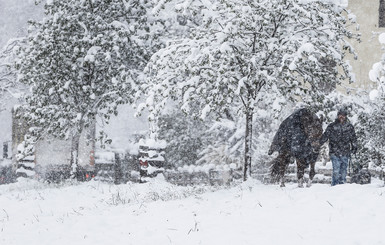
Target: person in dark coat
x,y
342,142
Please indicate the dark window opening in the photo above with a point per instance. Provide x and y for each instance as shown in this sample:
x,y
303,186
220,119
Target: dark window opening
x,y
381,14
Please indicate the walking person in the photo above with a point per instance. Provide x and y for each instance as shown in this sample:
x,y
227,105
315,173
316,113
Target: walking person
x,y
342,142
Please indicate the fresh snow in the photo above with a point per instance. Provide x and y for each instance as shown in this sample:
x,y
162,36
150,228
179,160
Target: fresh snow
x,y
373,94
160,213
381,38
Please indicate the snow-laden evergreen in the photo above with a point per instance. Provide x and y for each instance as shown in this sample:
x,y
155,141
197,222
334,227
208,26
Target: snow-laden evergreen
x,y
243,52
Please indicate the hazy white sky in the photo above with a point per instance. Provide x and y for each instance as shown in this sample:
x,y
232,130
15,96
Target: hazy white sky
x,y
14,15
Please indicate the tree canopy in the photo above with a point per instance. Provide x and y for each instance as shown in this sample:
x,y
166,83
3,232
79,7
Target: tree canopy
x,y
82,61
242,51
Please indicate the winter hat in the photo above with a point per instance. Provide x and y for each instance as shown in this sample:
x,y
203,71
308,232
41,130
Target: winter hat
x,y
342,112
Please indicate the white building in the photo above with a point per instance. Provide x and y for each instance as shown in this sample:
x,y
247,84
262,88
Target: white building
x,y
371,20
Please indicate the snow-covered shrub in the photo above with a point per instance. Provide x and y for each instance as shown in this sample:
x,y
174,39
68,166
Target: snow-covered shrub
x,y
373,118
224,142
184,135
226,136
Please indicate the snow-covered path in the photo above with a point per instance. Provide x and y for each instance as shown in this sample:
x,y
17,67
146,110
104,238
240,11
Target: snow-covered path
x,y
160,213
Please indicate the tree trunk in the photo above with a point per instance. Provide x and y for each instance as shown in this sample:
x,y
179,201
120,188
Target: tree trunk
x,y
248,144
75,153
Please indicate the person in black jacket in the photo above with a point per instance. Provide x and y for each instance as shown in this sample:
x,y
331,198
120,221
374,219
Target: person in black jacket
x,y
342,142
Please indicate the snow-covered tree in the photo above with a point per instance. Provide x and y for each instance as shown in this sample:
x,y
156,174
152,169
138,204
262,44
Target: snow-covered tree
x,y
9,88
243,51
372,148
81,62
185,137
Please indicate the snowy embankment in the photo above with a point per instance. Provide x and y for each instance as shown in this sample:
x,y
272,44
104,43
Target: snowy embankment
x,y
160,213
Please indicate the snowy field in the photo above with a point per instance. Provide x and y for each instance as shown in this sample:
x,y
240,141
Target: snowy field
x,y
160,213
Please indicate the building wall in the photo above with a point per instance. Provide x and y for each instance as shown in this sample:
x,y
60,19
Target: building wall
x,y
369,50
51,151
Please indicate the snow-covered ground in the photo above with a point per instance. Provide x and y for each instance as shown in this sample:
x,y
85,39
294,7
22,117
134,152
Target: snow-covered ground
x,y
160,213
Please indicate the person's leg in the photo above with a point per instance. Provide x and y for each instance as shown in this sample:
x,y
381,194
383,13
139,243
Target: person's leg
x,y
336,169
343,168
